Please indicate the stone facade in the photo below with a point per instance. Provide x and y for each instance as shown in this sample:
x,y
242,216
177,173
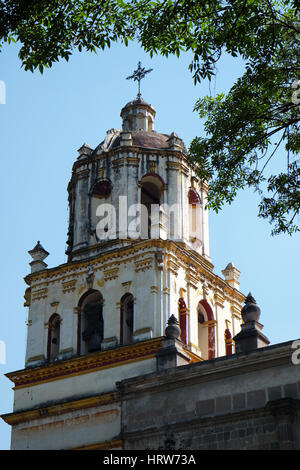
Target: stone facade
x,y
243,401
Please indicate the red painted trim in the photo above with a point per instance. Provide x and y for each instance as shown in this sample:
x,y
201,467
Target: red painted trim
x,y
85,295
228,342
182,319
194,197
211,329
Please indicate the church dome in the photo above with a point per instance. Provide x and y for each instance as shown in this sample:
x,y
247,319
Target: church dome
x,y
138,130
146,139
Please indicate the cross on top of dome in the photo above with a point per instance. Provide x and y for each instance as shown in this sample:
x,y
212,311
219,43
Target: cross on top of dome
x,y
138,75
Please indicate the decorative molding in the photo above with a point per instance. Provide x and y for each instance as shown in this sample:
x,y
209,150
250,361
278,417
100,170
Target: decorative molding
x,y
152,166
126,286
209,323
69,286
178,166
143,264
156,247
61,408
85,364
153,289
39,294
111,274
100,282
192,280
132,161
118,162
236,311
172,267
219,298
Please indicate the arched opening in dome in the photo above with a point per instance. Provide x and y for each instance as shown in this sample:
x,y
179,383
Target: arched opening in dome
x,y
152,187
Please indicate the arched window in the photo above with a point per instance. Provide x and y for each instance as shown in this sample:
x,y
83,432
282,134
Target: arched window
x,y
90,322
206,330
102,189
99,202
127,319
228,342
195,226
151,194
182,319
194,197
53,337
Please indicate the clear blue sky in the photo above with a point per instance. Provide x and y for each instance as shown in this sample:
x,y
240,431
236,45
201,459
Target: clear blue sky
x,y
45,120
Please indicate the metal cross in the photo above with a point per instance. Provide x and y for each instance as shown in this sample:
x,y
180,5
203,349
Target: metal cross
x,y
138,75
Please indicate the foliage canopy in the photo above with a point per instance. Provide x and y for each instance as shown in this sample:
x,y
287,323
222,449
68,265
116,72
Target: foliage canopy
x,y
258,118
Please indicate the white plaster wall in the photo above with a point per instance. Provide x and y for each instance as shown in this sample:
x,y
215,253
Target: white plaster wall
x,y
101,381
69,430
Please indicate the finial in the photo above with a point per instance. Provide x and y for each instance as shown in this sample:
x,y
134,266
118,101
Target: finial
x,y
38,254
172,330
138,75
250,337
250,299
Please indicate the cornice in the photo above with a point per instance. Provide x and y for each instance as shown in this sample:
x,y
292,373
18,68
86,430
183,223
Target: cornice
x,y
85,364
214,369
116,254
61,408
129,150
177,253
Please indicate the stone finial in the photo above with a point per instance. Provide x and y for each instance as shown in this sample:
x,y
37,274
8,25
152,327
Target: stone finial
x,y
231,275
38,254
126,139
250,337
250,311
172,331
85,150
175,142
172,352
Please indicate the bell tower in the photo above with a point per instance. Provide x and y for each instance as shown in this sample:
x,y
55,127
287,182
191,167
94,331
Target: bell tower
x,y
138,254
